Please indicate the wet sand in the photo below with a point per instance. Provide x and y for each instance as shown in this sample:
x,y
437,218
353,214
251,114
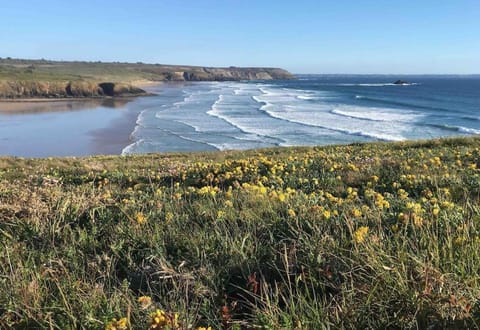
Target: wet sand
x,y
83,127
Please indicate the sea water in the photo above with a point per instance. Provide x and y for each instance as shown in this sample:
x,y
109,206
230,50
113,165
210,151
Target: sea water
x,y
311,110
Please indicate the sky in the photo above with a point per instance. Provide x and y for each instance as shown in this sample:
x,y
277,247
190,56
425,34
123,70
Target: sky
x,y
302,36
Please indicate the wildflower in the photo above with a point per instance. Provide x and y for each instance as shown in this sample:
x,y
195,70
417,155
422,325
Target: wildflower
x,y
204,328
140,218
117,325
291,213
228,203
326,214
161,320
360,234
220,214
169,216
447,205
177,196
417,220
145,301
356,213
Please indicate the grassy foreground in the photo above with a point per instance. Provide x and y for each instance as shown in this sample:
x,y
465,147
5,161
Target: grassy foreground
x,y
359,236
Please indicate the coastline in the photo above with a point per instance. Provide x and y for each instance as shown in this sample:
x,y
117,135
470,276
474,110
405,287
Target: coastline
x,y
113,138
66,128
85,125
60,99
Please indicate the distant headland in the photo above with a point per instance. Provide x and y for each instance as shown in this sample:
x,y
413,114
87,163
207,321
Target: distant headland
x,y
44,79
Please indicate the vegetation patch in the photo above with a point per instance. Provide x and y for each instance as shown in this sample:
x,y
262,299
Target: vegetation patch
x,y
357,236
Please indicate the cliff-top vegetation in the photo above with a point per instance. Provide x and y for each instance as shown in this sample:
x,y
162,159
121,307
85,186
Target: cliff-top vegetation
x,y
54,79
357,236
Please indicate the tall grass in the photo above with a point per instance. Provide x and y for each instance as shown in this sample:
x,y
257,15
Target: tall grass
x,y
359,236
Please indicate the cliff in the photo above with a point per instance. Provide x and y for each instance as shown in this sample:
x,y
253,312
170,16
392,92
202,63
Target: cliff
x,y
179,73
55,79
65,89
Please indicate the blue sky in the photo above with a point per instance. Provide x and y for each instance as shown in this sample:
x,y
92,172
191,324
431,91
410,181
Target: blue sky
x,y
303,36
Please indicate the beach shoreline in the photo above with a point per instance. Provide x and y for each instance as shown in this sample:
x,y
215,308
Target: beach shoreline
x,y
68,127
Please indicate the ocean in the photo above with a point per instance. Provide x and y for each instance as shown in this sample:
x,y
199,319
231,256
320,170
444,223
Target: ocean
x,y
312,110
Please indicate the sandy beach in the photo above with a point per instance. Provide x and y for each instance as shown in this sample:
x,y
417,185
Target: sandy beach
x,y
77,127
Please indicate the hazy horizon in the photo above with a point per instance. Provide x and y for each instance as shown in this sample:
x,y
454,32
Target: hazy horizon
x,y
304,37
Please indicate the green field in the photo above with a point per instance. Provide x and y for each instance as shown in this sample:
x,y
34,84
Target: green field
x,y
45,70
359,236
69,71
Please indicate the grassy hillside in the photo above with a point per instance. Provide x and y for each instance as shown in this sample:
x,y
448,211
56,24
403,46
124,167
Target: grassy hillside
x,y
44,70
56,79
359,236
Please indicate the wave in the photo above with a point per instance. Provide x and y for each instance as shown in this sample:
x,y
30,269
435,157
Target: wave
x,y
307,98
400,103
375,135
468,130
461,129
375,114
216,112
471,118
376,84
131,148
195,141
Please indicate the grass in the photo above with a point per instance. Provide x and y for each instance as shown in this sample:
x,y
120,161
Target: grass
x,y
358,236
20,70
55,71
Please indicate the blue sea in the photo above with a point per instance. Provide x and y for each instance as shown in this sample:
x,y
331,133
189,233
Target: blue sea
x,y
312,110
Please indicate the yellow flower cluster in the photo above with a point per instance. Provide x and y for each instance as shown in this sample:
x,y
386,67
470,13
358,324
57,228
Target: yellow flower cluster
x,y
162,320
140,218
115,324
145,301
360,234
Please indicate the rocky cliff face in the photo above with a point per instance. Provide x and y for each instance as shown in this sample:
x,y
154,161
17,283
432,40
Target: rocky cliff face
x,y
169,73
65,89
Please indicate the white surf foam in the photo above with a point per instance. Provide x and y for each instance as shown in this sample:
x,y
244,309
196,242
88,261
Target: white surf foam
x,y
467,130
376,84
376,114
132,148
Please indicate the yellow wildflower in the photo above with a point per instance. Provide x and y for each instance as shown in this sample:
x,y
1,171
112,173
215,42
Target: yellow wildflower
x,y
161,319
360,234
169,216
145,301
356,213
448,205
291,213
177,196
327,214
140,218
117,325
